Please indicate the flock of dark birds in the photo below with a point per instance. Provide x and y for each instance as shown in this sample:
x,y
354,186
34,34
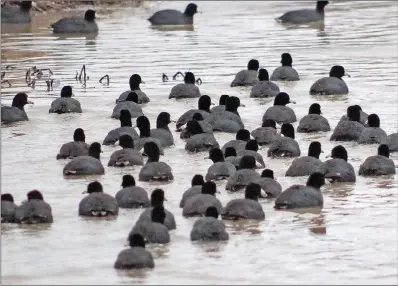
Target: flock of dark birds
x,y
237,161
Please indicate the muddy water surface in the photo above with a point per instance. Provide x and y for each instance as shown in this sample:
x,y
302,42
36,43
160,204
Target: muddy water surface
x,y
352,241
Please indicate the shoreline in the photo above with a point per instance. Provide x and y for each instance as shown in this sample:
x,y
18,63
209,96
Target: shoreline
x,y
59,5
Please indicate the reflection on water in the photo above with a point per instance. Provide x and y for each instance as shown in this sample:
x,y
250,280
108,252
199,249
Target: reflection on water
x,y
354,233
239,226
338,190
173,28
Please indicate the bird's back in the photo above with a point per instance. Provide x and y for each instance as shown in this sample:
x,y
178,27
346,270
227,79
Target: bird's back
x,y
184,90
313,123
264,89
14,15
329,86
84,165
10,114
209,228
74,25
376,166
285,73
243,209
241,179
337,170
280,113
96,203
302,16
170,17
284,147
34,211
135,257
132,197
299,196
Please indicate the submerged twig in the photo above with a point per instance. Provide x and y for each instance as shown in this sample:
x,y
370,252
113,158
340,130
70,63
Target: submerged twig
x,y
3,74
83,72
27,76
199,81
107,79
177,73
50,84
165,77
32,84
6,81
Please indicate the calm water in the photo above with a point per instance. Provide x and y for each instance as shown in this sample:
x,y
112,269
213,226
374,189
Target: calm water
x,y
352,241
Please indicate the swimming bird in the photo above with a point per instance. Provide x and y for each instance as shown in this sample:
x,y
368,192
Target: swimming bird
x,y
196,188
209,228
232,103
279,111
15,112
125,128
251,149
363,116
162,131
228,120
86,165
76,24
304,16
285,72
372,134
379,164
284,146
299,196
264,87
338,169
135,81
268,184
199,141
204,103
188,89
17,15
97,203
174,17
78,147
244,175
231,156
306,165
153,170
392,142
247,77
128,156
265,134
220,170
198,204
144,126
130,104
157,198
313,121
153,231
221,104
131,196
8,208
136,256
242,137
333,84
65,103
247,208
206,127
34,210
348,130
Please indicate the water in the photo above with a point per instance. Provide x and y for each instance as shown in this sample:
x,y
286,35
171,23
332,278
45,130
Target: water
x,y
352,241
